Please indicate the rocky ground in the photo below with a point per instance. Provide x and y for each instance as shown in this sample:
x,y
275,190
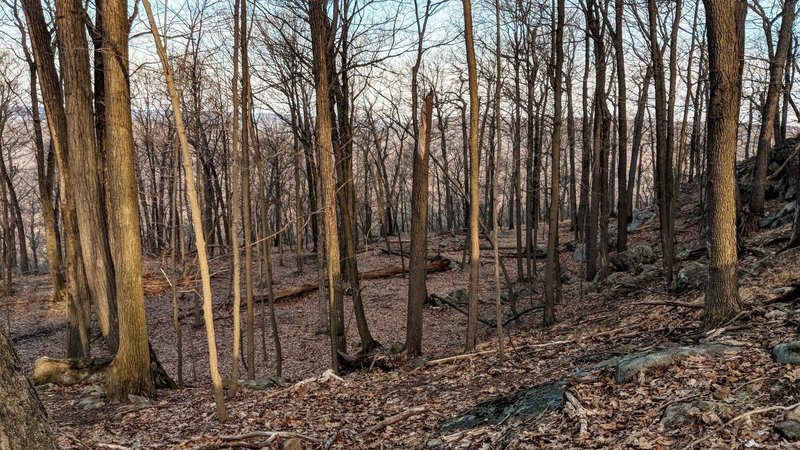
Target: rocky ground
x,y
627,366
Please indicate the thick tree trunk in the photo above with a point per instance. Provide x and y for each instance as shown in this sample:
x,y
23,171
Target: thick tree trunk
x,y
130,371
77,288
23,423
725,29
85,168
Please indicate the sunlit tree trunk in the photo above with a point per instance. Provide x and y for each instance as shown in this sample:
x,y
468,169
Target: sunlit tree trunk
x,y
725,30
129,373
321,38
474,161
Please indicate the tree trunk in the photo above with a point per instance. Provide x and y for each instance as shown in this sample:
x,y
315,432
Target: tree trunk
x,y
247,222
725,30
769,110
417,263
77,289
23,422
474,161
321,38
622,131
552,266
130,371
236,274
197,219
84,166
664,173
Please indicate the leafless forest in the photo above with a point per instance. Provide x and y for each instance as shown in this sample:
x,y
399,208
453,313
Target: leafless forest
x,y
399,224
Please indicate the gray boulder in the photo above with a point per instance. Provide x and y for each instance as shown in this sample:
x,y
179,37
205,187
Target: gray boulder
x,y
629,367
782,217
692,276
678,414
633,258
787,353
520,404
641,217
789,429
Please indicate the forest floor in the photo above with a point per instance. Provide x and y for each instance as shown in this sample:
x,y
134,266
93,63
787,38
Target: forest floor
x,y
347,412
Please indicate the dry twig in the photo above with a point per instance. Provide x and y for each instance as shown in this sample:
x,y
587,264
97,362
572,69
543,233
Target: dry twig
x,y
415,411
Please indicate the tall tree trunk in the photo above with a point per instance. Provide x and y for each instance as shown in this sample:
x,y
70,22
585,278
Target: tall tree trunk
x,y
474,162
247,221
586,153
236,274
44,175
197,219
129,373
321,38
84,166
622,130
725,30
552,269
77,289
664,173
418,262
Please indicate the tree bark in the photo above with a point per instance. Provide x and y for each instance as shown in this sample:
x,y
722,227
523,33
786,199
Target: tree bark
x,y
85,168
725,30
77,289
474,162
130,371
321,38
417,263
23,422
552,268
664,174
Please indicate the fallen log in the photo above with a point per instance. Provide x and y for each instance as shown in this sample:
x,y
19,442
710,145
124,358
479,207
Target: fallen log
x,y
437,264
67,372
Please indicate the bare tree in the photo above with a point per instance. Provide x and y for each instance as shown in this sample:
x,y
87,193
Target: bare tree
x,y
552,269
769,111
202,257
